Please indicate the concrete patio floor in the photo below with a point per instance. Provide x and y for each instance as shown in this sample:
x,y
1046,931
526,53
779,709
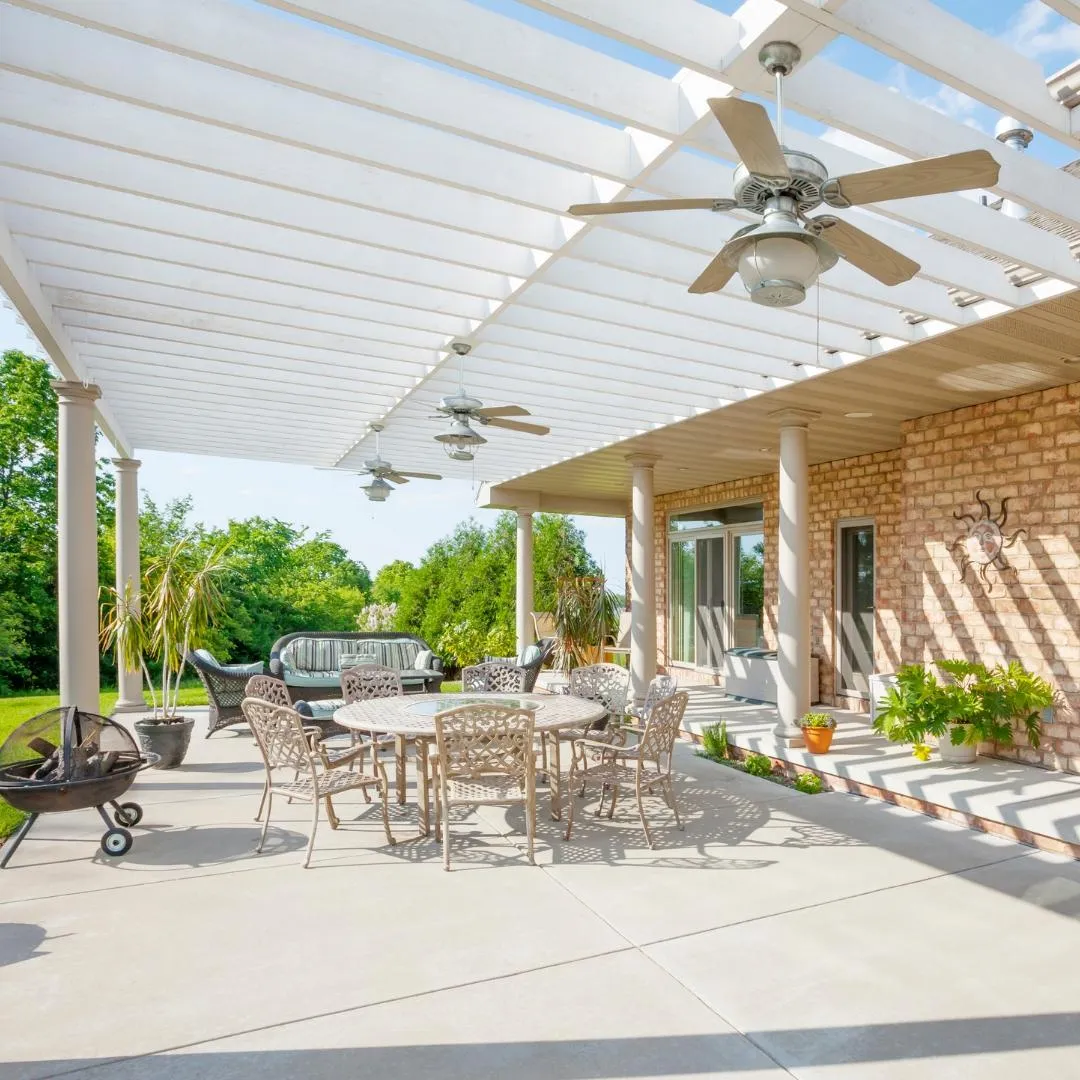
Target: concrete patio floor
x,y
779,935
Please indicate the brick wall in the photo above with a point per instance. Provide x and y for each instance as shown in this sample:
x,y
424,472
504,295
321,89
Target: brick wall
x,y
1022,449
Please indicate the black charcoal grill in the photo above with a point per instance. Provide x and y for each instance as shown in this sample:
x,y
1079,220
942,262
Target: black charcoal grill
x,y
67,759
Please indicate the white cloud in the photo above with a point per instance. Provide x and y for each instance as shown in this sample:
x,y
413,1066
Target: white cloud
x,y
945,99
1037,32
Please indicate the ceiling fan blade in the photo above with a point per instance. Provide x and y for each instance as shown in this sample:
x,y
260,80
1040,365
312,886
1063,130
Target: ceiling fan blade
x,y
714,277
517,425
417,476
503,410
637,205
398,478
866,252
751,132
931,176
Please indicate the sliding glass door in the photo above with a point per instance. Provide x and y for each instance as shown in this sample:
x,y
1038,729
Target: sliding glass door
x,y
710,602
681,623
855,606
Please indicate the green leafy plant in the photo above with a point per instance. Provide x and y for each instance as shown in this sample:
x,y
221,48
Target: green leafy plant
x,y
817,720
758,765
809,783
714,743
181,597
586,614
976,704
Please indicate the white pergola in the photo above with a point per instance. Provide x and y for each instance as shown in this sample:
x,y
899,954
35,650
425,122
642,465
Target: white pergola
x,y
257,226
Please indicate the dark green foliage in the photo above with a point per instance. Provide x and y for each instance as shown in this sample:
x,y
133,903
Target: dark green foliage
x,y
460,598
758,765
28,431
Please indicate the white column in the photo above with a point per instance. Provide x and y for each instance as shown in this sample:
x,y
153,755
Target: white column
x,y
524,594
76,526
793,567
128,573
642,577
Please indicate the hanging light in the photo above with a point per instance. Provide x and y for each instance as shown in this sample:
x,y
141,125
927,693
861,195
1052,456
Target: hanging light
x,y
460,439
779,259
377,490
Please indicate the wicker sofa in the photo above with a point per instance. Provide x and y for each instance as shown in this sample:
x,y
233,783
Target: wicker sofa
x,y
309,663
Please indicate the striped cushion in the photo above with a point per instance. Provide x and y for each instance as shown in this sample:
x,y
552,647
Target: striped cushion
x,y
322,656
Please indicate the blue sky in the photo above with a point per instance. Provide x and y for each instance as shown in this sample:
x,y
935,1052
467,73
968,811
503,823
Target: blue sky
x,y
420,513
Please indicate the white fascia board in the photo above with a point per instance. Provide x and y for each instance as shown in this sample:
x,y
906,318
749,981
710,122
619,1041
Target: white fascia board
x,y
923,36
263,45
330,292
1069,8
499,47
106,66
117,221
23,290
506,497
105,167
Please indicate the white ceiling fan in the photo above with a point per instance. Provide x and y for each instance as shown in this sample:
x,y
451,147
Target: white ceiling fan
x,y
780,257
382,472
461,440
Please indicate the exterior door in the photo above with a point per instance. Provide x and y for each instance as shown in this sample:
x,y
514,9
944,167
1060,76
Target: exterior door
x,y
710,602
855,614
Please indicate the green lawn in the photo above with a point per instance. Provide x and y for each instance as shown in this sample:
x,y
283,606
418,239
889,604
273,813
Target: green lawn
x,y
14,710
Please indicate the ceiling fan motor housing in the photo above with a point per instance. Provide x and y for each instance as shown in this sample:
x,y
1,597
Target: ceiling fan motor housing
x,y
752,192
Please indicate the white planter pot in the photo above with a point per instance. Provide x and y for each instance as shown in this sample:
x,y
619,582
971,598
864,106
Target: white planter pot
x,y
951,754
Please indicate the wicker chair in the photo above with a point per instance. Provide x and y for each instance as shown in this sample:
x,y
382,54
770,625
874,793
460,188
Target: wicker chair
x,y
646,765
494,677
531,669
485,758
225,687
318,774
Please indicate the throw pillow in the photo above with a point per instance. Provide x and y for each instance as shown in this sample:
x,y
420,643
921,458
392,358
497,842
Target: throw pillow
x,y
423,660
354,659
529,655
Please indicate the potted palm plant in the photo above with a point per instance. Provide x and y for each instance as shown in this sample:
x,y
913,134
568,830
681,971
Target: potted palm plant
x,y
817,729
181,597
976,704
586,614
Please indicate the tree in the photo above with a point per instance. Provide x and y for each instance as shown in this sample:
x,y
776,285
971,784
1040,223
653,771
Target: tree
x,y
28,443
390,580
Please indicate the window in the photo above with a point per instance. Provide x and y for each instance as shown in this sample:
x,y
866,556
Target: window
x,y
681,645
749,589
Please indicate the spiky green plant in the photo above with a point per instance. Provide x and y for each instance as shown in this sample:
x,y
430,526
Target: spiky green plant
x,y
181,597
586,614
714,742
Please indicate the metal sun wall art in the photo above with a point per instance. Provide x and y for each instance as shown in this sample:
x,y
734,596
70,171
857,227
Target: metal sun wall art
x,y
984,542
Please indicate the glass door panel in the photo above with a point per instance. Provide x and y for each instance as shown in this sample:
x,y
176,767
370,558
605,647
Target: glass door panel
x,y
855,652
749,567
710,602
681,633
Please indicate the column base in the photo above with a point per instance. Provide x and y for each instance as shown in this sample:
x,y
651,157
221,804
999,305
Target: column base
x,y
134,705
788,734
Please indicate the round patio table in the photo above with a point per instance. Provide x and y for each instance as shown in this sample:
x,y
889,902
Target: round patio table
x,y
412,718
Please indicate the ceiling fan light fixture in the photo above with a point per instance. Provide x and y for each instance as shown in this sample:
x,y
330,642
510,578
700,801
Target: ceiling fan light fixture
x,y
377,490
460,436
457,453
777,270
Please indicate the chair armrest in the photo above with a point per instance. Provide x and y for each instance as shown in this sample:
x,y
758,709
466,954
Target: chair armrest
x,y
277,668
437,663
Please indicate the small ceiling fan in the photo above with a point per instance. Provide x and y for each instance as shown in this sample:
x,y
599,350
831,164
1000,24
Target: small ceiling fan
x,y
779,257
461,440
382,472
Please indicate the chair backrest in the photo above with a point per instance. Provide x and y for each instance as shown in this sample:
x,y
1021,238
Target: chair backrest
x,y
367,681
482,740
322,654
494,677
622,635
661,730
543,624
267,688
661,686
279,731
607,684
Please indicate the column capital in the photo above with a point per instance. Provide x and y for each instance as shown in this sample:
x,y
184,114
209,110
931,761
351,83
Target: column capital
x,y
642,460
524,511
794,417
76,392
125,464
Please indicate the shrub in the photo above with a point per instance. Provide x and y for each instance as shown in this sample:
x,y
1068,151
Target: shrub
x,y
758,765
809,783
714,742
374,617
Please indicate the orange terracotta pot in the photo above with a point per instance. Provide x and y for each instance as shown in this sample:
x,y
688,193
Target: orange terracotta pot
x,y
818,739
